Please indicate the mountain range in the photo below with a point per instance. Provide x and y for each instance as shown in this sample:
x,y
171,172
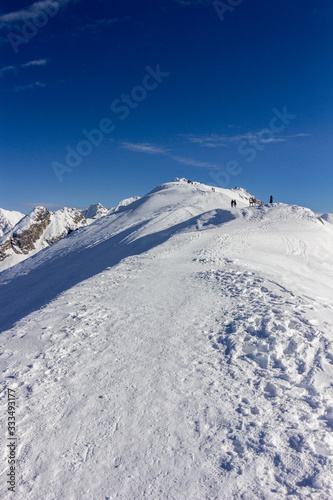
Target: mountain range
x,y
21,236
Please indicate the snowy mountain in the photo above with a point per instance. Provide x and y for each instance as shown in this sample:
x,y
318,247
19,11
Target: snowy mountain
x,y
8,219
97,211
94,212
41,228
35,231
175,349
123,204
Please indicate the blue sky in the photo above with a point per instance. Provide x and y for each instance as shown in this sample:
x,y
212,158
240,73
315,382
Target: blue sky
x,y
102,100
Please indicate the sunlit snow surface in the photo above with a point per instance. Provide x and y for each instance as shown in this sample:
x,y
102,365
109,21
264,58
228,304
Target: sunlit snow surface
x,y
176,349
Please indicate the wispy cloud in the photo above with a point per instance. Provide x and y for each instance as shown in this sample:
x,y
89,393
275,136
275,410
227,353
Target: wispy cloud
x,y
218,141
15,69
158,150
8,69
10,19
145,148
300,135
195,163
100,23
37,62
209,141
22,88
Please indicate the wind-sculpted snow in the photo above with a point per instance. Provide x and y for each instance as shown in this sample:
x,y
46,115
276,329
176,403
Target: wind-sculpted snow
x,y
177,349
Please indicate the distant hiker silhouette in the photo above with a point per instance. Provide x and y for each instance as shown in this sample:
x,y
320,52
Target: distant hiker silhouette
x,y
271,199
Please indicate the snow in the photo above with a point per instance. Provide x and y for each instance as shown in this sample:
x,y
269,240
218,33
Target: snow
x,y
8,219
28,220
175,349
123,203
327,218
94,212
61,222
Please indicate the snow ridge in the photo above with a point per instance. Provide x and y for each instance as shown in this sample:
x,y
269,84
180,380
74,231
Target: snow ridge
x,y
177,348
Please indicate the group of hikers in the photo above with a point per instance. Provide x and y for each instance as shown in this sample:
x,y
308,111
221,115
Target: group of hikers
x,y
252,201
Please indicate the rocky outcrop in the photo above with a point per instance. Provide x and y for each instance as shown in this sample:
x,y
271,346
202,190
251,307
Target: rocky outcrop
x,y
25,234
39,229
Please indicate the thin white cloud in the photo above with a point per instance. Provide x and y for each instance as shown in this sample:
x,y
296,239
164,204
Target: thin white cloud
x,y
301,135
208,141
157,150
7,20
100,23
15,69
37,62
21,88
7,69
194,163
221,140
144,148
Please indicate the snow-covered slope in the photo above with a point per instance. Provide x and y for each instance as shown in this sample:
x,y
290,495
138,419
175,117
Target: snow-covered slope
x,y
97,211
35,231
8,219
123,203
40,228
175,349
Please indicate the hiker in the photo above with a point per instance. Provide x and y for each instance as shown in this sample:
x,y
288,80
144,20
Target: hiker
x,y
232,203
235,204
271,199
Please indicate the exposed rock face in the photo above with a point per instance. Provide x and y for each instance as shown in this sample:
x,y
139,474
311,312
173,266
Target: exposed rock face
x,y
39,229
26,233
63,222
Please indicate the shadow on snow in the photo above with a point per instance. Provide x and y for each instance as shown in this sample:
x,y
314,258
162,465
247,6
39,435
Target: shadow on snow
x,y
29,292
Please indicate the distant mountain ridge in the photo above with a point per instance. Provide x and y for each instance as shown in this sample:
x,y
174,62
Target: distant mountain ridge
x,y
22,236
37,230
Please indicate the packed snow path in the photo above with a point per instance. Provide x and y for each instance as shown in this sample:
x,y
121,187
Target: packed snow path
x,y
198,369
